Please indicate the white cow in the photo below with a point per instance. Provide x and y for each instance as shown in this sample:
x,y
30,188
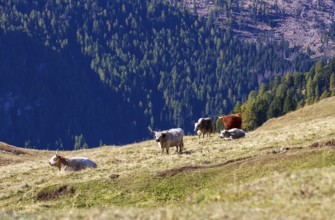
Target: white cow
x,y
71,164
233,133
170,138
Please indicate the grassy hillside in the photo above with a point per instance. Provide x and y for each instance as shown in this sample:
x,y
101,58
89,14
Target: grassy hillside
x,y
67,68
287,164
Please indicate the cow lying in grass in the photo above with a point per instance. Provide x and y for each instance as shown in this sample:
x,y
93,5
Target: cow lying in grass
x,y
233,133
170,138
71,164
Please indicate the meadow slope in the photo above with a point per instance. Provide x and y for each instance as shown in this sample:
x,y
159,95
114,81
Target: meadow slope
x,y
284,169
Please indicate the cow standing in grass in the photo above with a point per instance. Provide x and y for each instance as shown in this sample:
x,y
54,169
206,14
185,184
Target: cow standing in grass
x,y
204,126
170,138
232,121
71,164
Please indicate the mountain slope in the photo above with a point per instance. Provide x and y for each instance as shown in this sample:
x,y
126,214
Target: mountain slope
x,y
107,70
259,175
303,23
289,93
50,98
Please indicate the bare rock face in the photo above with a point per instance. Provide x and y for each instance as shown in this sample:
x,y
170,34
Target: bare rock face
x,y
302,23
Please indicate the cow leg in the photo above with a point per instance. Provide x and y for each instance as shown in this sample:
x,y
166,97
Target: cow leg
x,y
167,150
181,147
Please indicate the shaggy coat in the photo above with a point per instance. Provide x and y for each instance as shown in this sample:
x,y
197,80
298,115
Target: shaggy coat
x,y
71,164
204,126
232,121
170,138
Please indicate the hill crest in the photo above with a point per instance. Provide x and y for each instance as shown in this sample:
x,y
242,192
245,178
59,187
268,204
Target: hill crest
x,y
261,171
316,118
308,114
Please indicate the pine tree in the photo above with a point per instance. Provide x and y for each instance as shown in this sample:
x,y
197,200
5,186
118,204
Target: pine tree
x,y
289,103
309,92
248,113
276,108
80,143
324,95
332,84
237,107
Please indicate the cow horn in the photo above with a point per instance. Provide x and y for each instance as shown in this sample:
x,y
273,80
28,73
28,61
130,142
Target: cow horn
x,y
57,152
150,129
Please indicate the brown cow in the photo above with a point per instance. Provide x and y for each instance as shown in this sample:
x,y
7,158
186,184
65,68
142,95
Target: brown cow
x,y
232,121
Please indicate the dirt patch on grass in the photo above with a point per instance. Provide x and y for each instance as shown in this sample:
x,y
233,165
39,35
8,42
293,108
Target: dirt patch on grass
x,y
283,150
272,155
327,143
178,170
53,193
175,171
114,176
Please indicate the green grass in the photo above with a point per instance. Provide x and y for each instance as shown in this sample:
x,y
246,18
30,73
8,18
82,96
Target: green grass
x,y
192,186
225,183
273,173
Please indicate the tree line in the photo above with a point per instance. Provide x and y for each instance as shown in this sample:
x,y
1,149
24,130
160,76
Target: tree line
x,y
288,93
153,64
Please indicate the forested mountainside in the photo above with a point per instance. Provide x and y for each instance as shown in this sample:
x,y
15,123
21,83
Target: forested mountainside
x,y
286,94
85,73
307,24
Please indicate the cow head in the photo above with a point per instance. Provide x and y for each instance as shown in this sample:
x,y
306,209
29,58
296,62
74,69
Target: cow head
x,y
156,133
224,134
160,136
196,126
57,160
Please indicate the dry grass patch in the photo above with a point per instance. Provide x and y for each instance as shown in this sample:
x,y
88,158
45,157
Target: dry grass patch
x,y
213,177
